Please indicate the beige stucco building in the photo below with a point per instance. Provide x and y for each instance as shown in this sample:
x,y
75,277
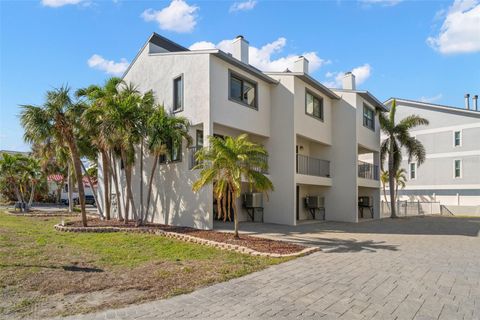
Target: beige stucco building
x,y
315,136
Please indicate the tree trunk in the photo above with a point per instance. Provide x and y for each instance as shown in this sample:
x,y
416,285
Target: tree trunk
x,y
113,171
150,183
128,172
32,194
391,182
78,174
106,184
140,218
385,195
70,190
235,219
100,212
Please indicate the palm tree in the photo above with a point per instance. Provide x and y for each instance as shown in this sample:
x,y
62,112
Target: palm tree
x,y
10,170
163,128
93,119
34,175
384,181
398,138
224,163
57,118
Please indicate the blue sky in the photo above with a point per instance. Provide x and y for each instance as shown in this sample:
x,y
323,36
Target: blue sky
x,y
426,50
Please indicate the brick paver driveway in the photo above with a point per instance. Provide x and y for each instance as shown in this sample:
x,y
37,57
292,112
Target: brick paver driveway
x,y
416,268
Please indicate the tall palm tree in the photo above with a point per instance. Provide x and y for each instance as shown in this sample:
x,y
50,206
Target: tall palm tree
x,y
10,170
163,128
224,163
93,119
384,181
398,138
35,173
58,118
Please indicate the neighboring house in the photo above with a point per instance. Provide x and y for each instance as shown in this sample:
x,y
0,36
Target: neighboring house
x,y
451,171
55,179
315,136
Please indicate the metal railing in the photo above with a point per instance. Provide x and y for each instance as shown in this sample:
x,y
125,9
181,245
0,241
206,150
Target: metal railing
x,y
313,166
262,170
367,170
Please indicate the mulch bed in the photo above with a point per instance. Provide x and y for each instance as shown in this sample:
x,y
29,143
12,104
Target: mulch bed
x,y
254,243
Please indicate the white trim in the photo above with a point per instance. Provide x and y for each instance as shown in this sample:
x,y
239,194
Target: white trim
x,y
453,154
455,140
442,187
454,169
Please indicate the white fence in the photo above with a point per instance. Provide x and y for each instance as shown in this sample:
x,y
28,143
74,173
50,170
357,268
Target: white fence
x,y
411,208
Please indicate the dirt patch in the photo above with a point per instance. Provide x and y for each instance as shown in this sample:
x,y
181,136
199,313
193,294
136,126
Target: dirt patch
x,y
255,243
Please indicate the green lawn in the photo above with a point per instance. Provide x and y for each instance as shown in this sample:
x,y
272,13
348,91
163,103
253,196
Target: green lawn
x,y
44,272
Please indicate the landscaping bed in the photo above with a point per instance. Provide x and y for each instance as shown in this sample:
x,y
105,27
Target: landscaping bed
x,y
254,243
46,273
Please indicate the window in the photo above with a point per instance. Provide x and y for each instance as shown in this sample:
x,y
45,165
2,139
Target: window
x,y
368,117
457,169
178,94
313,105
199,138
243,91
413,171
174,152
457,138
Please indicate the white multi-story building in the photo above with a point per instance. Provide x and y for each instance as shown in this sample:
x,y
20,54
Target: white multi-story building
x,y
315,136
451,172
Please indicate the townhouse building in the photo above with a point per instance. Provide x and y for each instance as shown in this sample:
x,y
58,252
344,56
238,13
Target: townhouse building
x,y
450,174
321,142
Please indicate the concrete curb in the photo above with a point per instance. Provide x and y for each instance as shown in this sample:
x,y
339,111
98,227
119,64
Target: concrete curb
x,y
187,238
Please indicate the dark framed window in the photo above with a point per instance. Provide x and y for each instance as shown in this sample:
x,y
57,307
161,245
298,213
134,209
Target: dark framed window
x,y
368,117
174,152
313,105
413,171
178,94
242,90
457,139
199,138
457,169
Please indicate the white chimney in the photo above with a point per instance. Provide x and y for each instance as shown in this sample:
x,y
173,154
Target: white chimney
x,y
301,65
467,101
240,49
348,82
475,102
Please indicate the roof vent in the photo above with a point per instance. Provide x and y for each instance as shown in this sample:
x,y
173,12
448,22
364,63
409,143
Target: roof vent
x,y
475,102
467,101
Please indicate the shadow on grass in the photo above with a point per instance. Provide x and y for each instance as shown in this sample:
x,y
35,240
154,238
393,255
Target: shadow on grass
x,y
71,268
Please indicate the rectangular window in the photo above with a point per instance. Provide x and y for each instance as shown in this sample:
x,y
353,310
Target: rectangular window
x,y
458,169
368,117
413,171
173,154
457,138
199,138
313,105
243,91
178,94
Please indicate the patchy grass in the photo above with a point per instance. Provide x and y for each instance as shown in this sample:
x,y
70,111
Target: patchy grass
x,y
46,273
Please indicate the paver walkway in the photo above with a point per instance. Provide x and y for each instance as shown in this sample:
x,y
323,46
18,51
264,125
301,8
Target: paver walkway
x,y
416,268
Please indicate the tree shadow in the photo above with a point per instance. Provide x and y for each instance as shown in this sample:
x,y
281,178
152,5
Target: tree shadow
x,y
331,245
71,268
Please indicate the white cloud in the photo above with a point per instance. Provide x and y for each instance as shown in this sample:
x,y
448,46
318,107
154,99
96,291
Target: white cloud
x,y
431,99
362,73
386,3
243,6
59,3
108,66
179,16
460,31
263,59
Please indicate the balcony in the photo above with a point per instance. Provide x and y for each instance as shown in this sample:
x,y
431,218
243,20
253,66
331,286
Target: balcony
x,y
192,162
367,170
312,166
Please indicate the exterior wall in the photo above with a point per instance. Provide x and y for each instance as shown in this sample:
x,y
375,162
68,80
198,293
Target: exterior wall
x,y
173,200
231,113
306,125
280,207
435,177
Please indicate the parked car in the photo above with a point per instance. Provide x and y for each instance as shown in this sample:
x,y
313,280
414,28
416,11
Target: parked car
x,y
89,199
